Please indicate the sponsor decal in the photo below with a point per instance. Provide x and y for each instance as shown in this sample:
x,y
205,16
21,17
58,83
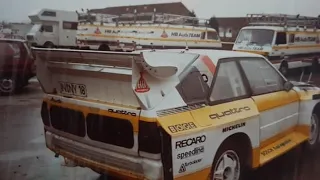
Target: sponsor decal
x,y
97,31
305,39
122,112
182,127
277,147
191,141
194,152
142,85
233,127
184,166
164,34
192,35
229,112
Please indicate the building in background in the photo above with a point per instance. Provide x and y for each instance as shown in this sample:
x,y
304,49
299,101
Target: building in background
x,y
20,29
229,27
170,8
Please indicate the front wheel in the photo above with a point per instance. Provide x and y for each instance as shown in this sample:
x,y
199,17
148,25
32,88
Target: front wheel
x,y
7,86
228,164
314,132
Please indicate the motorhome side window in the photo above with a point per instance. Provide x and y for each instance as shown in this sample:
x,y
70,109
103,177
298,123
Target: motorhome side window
x,y
192,88
212,35
49,13
70,25
46,28
281,38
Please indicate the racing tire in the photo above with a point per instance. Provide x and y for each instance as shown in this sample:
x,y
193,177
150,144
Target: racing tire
x,y
284,68
104,47
313,141
7,86
223,165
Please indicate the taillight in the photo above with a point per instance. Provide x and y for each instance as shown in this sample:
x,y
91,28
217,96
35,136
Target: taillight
x,y
45,114
149,137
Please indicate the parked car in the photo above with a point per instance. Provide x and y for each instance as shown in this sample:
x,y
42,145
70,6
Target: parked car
x,y
16,65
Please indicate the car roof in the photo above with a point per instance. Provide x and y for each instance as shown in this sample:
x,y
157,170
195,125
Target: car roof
x,y
214,55
13,40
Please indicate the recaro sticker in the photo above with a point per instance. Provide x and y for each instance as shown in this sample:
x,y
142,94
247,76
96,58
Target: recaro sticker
x,y
190,141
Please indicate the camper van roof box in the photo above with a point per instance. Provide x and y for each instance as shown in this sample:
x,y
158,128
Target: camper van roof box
x,y
143,18
283,20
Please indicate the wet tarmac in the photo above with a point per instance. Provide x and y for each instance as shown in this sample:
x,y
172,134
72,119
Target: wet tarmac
x,y
24,156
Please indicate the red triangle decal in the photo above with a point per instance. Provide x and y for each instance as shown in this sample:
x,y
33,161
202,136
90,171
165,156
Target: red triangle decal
x,y
142,86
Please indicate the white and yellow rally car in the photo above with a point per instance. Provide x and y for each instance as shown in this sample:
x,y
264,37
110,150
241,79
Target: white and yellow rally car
x,y
172,114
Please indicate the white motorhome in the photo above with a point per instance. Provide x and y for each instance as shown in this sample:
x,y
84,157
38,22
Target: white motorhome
x,y
129,32
288,41
53,28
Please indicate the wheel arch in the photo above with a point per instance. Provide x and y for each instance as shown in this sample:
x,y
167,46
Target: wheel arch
x,y
243,140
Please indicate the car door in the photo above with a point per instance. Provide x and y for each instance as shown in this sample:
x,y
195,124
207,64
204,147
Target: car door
x,y
278,108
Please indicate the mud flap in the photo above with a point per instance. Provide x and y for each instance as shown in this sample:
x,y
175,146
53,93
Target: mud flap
x,y
166,154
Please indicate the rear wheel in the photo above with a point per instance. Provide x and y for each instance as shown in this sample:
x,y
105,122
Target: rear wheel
x,y
7,86
229,163
104,47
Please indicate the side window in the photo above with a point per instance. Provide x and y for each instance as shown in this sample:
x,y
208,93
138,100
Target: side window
x,y
192,88
212,35
203,35
228,83
291,38
263,78
281,38
47,28
70,25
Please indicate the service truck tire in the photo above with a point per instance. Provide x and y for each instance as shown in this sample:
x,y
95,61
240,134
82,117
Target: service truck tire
x,y
284,68
48,45
104,47
229,163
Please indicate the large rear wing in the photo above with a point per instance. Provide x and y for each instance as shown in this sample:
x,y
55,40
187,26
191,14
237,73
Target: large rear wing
x,y
106,76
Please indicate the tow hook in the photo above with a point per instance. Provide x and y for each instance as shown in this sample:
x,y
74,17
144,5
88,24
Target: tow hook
x,y
56,155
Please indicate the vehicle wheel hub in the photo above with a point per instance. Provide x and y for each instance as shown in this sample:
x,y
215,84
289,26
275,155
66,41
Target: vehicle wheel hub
x,y
227,167
6,85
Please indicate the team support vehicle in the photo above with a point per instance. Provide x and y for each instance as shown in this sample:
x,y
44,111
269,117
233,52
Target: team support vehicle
x,y
288,41
172,114
126,32
17,65
129,32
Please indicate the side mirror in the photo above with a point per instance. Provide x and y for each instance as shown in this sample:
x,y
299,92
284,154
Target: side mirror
x,y
288,85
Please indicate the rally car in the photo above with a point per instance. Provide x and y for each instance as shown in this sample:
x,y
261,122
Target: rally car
x,y
172,114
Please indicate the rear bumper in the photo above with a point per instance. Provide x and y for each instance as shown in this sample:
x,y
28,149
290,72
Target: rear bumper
x,y
101,160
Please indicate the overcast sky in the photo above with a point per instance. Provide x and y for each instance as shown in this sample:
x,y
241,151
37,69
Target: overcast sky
x,y
18,10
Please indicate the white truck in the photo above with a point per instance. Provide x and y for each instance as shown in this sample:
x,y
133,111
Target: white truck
x,y
288,41
137,31
53,28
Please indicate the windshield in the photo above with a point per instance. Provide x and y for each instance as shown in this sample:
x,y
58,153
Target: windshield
x,y
35,28
261,37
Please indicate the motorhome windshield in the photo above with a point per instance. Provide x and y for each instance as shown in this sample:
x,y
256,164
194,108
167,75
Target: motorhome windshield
x,y
35,28
260,37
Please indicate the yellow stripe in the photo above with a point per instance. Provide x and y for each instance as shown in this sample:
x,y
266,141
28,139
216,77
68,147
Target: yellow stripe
x,y
276,99
296,46
152,39
151,27
255,52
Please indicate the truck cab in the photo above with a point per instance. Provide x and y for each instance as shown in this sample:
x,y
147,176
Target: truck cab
x,y
53,28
